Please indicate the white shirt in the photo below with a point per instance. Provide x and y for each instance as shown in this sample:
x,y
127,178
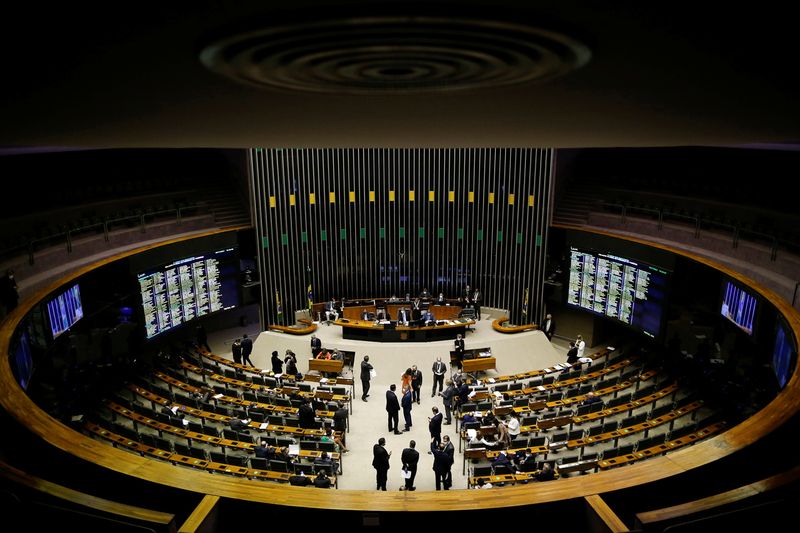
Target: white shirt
x,y
581,345
513,426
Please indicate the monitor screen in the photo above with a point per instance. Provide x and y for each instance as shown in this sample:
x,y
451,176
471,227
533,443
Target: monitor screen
x,y
191,287
629,291
64,310
739,306
783,354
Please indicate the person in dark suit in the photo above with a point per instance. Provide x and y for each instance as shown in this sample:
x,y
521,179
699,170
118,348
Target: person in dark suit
x,y
300,480
427,318
572,354
448,396
441,465
410,459
459,349
425,294
366,368
380,462
236,351
549,326
546,473
440,300
406,403
277,364
330,310
202,338
316,345
439,370
393,408
450,450
476,301
340,418
247,349
264,451
366,315
307,417
242,425
416,382
435,426
322,481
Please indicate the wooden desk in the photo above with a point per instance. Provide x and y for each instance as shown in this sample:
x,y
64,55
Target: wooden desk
x,y
369,331
326,365
479,364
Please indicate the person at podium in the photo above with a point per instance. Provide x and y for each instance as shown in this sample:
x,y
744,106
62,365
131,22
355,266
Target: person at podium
x,y
366,315
440,300
330,310
383,314
425,295
427,318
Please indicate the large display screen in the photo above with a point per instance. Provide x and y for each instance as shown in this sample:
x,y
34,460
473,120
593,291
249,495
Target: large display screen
x,y
617,287
64,310
783,354
739,306
188,288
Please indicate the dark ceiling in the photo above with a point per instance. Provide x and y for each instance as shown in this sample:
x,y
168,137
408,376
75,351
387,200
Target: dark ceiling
x,y
660,74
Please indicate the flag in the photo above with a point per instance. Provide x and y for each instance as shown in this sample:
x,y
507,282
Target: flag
x,y
525,304
310,296
278,305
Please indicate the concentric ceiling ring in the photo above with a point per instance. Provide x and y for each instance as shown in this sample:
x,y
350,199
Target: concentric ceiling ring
x,y
394,55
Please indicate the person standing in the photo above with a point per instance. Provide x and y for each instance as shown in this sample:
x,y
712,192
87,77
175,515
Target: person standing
x,y
247,349
306,415
380,461
366,374
580,345
439,370
406,403
476,300
572,353
393,409
450,450
277,364
549,326
236,351
410,460
202,338
316,346
441,465
416,382
291,363
447,399
459,349
435,426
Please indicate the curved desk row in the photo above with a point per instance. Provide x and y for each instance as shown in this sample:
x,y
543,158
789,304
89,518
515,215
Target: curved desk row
x,y
364,330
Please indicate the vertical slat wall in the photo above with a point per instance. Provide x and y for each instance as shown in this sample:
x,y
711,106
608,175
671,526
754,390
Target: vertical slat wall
x,y
357,223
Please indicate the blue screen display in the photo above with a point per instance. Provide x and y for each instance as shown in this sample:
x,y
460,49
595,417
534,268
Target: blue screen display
x,y
64,310
739,307
782,355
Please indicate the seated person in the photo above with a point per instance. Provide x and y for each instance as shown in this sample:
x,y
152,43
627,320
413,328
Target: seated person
x,y
330,436
523,457
337,355
382,314
300,480
393,298
482,483
427,318
330,310
404,316
366,315
322,481
590,399
237,424
501,460
172,410
324,354
264,450
440,299
424,294
546,473
324,460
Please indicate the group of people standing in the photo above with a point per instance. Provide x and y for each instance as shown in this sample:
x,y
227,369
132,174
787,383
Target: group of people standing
x,y
443,458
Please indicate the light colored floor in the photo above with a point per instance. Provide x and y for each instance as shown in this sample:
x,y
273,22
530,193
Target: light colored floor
x,y
515,353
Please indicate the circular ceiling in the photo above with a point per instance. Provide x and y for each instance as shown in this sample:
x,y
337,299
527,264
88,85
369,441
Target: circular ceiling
x,y
387,55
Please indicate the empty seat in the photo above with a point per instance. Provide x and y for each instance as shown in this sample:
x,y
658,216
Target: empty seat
x,y
308,445
259,463
278,466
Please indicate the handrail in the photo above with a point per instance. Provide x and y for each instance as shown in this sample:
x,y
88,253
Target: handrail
x,y
497,325
22,408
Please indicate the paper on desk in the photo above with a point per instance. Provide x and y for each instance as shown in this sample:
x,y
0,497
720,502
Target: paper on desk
x,y
585,359
217,396
323,380
472,433
540,387
263,426
294,449
490,380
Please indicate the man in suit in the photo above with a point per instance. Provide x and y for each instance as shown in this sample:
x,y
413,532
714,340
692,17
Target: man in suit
x,y
476,300
316,345
441,465
380,461
425,294
366,368
549,326
435,426
410,459
365,315
236,351
440,300
300,480
393,409
439,370
447,399
330,310
450,450
247,349
416,382
322,481
382,314
307,417
242,425
264,451
406,403
427,318
459,349
572,354
340,418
